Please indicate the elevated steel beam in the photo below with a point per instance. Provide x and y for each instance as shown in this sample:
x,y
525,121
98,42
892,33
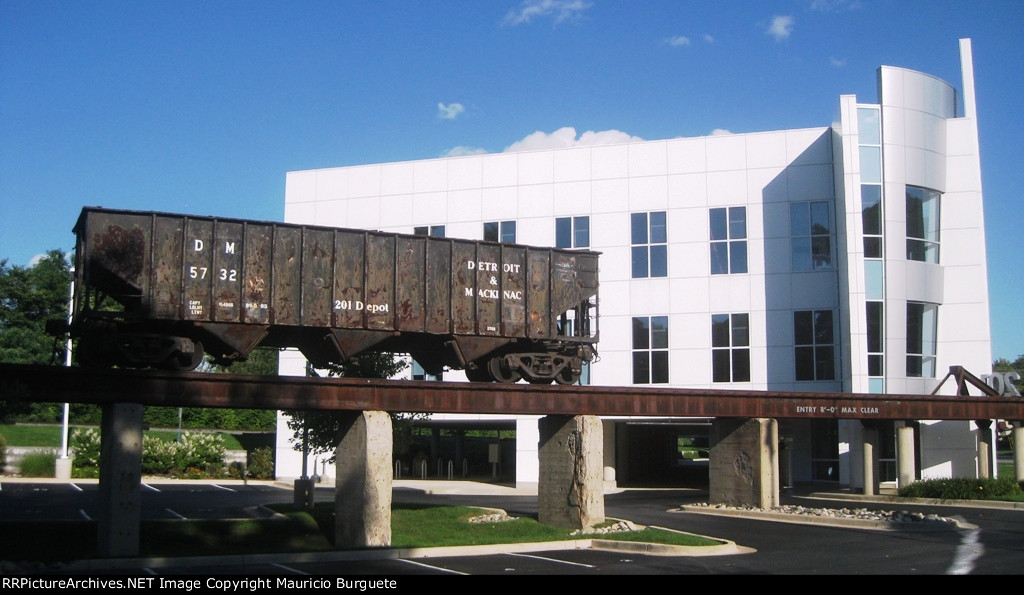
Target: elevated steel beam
x,y
81,385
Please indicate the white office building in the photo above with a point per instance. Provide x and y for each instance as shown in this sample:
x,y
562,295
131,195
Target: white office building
x,y
844,257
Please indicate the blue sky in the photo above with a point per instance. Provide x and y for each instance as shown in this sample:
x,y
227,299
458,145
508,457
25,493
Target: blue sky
x,y
202,107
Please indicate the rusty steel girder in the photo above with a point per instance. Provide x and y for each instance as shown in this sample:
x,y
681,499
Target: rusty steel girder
x,y
104,386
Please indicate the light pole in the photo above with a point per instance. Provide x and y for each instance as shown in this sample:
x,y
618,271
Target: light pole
x,y
62,465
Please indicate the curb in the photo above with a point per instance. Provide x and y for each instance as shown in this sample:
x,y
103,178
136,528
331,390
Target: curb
x,y
807,519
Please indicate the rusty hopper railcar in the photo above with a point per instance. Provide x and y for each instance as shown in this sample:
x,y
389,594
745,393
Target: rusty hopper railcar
x,y
183,286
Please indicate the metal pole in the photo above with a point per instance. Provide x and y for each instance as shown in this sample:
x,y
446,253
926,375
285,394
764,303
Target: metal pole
x,y
67,362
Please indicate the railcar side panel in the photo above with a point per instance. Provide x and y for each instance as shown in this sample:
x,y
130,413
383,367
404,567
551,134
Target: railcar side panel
x,y
349,278
463,288
286,276
410,295
513,294
378,301
256,273
539,279
198,270
438,286
227,271
488,289
317,259
166,268
116,255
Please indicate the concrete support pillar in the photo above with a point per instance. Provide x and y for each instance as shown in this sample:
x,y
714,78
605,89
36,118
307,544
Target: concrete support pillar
x,y
905,467
570,488
744,462
362,500
985,449
120,486
1018,449
869,431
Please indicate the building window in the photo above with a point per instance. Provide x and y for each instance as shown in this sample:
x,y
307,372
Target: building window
x,y
728,240
500,231
650,349
811,233
922,224
876,329
649,237
922,325
814,337
871,218
730,347
572,232
431,230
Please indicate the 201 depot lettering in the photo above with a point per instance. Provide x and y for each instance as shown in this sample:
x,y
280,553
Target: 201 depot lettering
x,y
215,584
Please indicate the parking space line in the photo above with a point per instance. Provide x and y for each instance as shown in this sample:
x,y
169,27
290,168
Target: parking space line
x,y
432,567
288,568
225,488
552,560
175,514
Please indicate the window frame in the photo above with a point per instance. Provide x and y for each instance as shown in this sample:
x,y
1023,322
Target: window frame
x,y
650,350
572,232
730,347
648,244
924,223
503,232
809,243
814,334
727,237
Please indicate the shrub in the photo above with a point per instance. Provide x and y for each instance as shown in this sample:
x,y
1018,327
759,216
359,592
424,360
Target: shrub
x,y
3,452
963,489
199,450
195,452
261,463
158,456
85,447
38,464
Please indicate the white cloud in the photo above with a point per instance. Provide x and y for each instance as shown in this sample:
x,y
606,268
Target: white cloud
x,y
450,111
678,40
462,151
835,5
781,27
707,38
565,138
720,132
558,10
837,62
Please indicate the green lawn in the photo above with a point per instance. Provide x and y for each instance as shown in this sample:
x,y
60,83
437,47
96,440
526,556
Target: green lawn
x,y
412,526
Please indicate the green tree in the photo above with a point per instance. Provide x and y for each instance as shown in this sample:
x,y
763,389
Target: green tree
x,y
319,431
29,297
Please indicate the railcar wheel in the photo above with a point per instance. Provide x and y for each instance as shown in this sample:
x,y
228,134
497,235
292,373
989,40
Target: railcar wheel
x,y
500,371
